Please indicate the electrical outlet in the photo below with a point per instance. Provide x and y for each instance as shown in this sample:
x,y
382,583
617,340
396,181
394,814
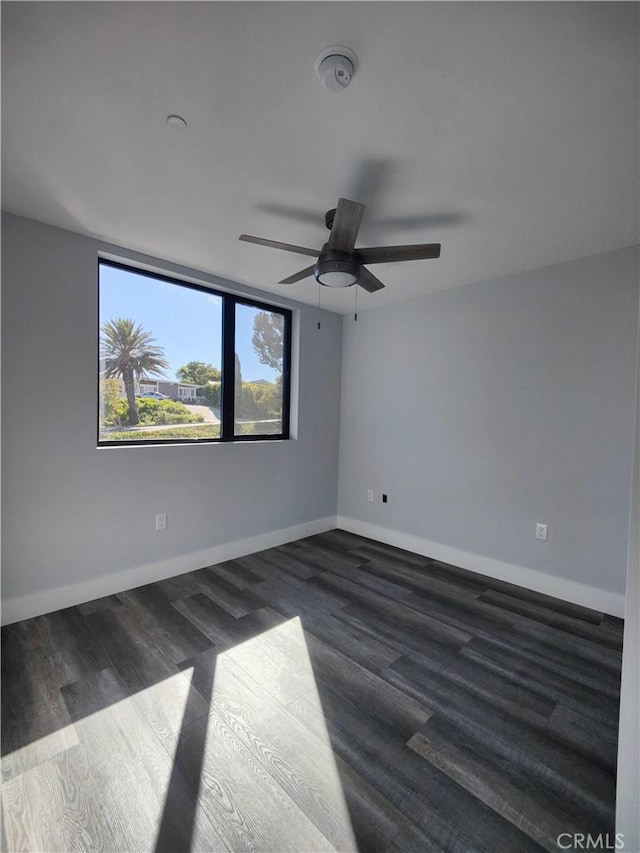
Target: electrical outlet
x,y
161,521
370,495
541,531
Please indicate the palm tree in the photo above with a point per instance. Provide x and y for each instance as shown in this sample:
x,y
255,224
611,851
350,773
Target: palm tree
x,y
128,352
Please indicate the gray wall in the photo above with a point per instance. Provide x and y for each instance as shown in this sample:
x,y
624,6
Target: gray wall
x,y
628,790
71,511
484,409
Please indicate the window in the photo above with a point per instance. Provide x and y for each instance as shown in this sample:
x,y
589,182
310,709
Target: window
x,y
179,362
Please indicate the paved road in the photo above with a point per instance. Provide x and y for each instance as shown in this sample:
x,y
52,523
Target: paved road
x,y
209,415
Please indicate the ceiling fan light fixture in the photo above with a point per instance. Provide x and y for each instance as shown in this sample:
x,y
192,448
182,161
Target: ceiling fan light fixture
x,y
336,273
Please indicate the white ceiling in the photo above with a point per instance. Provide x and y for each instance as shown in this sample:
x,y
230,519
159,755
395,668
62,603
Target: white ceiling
x,y
506,131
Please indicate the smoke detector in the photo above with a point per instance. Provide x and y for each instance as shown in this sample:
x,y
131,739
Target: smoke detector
x,y
335,67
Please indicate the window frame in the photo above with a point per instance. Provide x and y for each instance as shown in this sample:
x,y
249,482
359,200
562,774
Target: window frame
x,y
227,368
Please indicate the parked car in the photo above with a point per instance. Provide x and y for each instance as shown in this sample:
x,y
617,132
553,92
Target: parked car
x,y
155,395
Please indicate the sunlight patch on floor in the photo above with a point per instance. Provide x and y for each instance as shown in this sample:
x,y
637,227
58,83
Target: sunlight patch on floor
x,y
254,772
106,791
255,683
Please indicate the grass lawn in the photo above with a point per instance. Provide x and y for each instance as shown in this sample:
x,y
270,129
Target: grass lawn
x,y
186,432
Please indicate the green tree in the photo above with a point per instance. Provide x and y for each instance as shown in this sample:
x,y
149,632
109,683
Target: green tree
x,y
110,402
129,351
268,338
239,395
205,375
198,372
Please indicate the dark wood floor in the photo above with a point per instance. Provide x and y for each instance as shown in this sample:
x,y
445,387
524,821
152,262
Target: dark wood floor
x,y
330,694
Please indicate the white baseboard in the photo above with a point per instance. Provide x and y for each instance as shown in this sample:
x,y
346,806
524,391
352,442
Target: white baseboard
x,y
27,606
567,590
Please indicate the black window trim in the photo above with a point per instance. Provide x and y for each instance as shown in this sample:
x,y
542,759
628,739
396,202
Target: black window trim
x,y
227,414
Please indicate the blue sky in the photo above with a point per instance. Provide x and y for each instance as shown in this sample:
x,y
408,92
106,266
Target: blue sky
x,y
186,323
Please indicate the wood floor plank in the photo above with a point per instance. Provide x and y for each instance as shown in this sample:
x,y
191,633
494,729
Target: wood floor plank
x,y
244,804
339,540
371,550
294,562
393,633
303,766
497,789
460,669
109,791
418,623
238,602
111,724
105,603
483,583
419,791
219,626
411,840
65,790
613,624
572,776
376,823
590,673
32,733
596,741
590,650
466,611
72,647
315,553
181,586
132,648
164,707
35,722
237,574
256,623
401,713
171,631
594,667
418,579
549,616
367,651
277,662
308,596
269,570
212,620
363,576
308,711
539,681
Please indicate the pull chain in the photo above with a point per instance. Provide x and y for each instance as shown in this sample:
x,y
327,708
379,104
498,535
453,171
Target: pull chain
x,y
355,315
319,289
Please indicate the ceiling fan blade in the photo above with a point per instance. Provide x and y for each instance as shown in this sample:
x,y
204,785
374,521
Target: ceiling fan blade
x,y
390,254
346,224
274,244
368,281
298,276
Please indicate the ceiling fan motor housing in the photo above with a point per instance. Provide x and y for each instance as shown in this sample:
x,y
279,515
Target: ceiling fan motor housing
x,y
336,269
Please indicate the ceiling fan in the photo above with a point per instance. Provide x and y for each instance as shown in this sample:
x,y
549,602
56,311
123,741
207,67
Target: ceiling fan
x,y
339,263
